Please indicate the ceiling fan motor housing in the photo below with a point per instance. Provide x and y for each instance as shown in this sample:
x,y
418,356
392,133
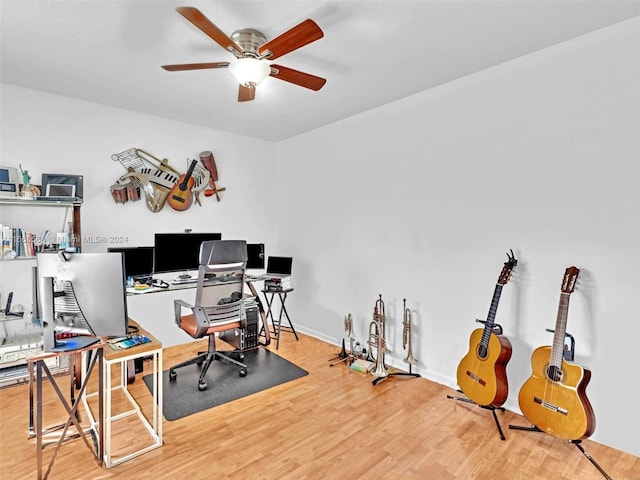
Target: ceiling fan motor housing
x,y
250,41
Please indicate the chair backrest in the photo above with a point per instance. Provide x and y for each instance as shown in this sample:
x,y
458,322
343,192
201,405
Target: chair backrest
x,y
223,251
220,287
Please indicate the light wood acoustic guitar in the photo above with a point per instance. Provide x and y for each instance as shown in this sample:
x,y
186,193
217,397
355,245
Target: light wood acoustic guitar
x,y
180,196
553,399
482,375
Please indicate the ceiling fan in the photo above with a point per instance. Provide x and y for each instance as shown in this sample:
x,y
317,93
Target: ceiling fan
x,y
251,49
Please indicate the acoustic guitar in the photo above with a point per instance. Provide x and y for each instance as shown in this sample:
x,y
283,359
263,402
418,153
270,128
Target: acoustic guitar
x,y
481,374
553,399
180,196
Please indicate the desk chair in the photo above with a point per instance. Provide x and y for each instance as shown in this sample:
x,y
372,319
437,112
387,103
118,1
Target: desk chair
x,y
219,304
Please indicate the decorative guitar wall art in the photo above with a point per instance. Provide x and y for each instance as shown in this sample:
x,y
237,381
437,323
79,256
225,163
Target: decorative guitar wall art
x,y
160,183
180,195
554,398
482,373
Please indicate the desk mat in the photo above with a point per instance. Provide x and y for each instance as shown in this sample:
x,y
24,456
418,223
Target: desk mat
x,y
182,397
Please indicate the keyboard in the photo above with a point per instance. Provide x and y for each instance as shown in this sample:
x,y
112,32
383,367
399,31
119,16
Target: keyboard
x,y
184,281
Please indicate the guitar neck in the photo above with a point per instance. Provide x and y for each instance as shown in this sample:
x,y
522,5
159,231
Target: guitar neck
x,y
187,176
488,326
557,350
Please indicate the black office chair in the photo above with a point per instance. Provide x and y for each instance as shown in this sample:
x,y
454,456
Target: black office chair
x,y
219,304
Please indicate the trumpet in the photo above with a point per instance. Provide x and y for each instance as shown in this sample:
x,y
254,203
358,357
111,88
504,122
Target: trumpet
x,y
406,335
348,328
377,339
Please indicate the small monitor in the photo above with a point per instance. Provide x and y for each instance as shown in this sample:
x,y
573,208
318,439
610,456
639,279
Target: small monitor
x,y
138,261
60,190
255,256
179,252
83,290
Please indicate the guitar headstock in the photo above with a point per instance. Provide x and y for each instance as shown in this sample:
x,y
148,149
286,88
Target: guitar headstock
x,y
507,270
569,279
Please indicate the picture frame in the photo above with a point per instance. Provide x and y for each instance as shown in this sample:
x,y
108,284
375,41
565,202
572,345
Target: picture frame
x,y
59,185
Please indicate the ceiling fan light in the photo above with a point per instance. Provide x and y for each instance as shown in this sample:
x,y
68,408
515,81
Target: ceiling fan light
x,y
249,71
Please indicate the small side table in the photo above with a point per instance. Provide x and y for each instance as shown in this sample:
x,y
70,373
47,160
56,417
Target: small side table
x,y
277,325
38,367
152,425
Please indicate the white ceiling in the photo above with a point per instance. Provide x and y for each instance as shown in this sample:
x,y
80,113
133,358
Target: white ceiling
x,y
372,53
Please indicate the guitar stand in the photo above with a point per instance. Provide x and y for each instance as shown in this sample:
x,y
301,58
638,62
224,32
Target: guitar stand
x,y
577,443
486,407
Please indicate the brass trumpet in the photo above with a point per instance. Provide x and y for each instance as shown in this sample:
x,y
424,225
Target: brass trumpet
x,y
377,339
406,335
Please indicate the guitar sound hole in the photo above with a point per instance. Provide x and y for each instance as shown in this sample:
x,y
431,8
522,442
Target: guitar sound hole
x,y
554,374
482,351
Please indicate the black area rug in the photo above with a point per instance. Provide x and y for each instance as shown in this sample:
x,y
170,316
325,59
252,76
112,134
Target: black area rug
x,y
224,384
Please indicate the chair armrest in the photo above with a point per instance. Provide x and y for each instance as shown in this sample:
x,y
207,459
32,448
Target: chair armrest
x,y
178,305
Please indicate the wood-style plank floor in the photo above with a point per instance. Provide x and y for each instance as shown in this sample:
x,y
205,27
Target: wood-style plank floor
x,y
330,424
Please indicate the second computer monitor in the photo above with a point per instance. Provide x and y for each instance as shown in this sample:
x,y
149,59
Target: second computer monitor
x,y
138,261
179,252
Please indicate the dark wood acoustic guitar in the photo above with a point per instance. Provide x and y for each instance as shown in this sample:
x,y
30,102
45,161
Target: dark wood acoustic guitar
x,y
481,374
180,196
553,399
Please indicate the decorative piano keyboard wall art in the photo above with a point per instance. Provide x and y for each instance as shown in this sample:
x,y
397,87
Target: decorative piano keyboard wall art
x,y
153,183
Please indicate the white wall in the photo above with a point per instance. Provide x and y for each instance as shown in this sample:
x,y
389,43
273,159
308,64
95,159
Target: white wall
x,y
420,199
53,134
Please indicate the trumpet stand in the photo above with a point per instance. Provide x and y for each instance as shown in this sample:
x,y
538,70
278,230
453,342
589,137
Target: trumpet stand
x,y
343,355
568,353
397,374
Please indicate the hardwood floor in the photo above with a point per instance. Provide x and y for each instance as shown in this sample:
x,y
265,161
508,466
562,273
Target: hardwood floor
x,y
330,424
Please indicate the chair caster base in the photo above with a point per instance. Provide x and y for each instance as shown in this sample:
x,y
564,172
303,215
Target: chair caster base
x,y
172,375
202,386
243,372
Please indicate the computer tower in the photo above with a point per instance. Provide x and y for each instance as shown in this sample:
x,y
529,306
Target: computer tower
x,y
243,339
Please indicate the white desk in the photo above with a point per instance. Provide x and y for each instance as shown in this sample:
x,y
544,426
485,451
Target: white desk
x,y
154,312
152,425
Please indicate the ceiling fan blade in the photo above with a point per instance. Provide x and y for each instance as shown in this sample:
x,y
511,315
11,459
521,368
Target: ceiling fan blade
x,y
246,94
299,36
194,66
299,78
196,17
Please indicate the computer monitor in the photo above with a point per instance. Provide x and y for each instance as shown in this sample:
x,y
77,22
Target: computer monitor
x,y
179,252
138,261
255,256
279,265
81,291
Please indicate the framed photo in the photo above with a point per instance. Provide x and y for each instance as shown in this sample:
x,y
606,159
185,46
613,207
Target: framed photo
x,y
62,185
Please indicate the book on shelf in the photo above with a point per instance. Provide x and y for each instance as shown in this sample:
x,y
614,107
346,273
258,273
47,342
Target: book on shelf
x,y
21,243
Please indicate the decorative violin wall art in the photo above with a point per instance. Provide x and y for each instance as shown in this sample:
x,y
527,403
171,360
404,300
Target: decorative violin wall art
x,y
159,183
